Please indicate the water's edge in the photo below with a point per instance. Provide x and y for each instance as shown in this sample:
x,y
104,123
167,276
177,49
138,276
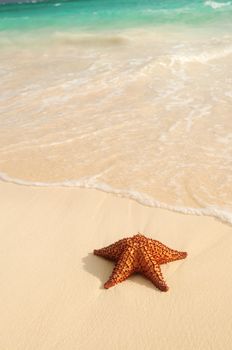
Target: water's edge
x,y
222,215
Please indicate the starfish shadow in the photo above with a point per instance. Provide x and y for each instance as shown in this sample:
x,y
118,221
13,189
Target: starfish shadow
x,y
98,267
102,268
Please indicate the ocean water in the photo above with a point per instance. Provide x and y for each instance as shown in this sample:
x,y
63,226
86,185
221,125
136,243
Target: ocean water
x,y
132,97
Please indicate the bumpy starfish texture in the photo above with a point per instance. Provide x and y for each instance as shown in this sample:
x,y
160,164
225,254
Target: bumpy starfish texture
x,y
139,254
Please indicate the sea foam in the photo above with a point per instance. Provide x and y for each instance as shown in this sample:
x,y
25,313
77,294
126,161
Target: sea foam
x,y
221,214
203,57
216,5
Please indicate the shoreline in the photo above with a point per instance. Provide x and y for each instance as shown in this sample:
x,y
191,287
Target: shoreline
x,y
143,199
52,284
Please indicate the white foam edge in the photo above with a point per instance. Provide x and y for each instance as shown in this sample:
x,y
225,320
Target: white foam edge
x,y
203,57
216,5
222,215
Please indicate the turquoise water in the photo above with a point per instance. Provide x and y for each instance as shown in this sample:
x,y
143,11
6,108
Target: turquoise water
x,y
100,14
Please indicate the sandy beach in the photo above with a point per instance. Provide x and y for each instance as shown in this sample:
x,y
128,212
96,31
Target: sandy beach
x,y
115,118
52,294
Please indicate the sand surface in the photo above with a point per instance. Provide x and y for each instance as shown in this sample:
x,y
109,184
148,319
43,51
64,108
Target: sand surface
x,y
52,294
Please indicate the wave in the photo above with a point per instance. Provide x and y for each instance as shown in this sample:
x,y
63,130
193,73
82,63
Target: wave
x,y
203,57
216,5
221,214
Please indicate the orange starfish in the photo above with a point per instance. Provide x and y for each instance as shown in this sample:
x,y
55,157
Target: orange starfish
x,y
139,254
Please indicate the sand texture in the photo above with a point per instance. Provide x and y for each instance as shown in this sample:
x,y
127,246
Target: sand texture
x,y
52,294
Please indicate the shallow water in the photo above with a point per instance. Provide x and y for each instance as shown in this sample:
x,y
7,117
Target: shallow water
x,y
130,97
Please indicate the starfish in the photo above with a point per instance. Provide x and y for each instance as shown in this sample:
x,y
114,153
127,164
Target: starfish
x,y
139,254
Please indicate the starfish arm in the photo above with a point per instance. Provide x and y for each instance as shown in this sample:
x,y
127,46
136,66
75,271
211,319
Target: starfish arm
x,y
125,266
164,254
151,269
173,255
113,251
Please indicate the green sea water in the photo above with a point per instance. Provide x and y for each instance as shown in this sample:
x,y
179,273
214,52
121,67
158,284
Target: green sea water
x,y
104,14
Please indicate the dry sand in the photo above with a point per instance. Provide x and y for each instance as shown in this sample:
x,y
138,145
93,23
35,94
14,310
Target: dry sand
x,y
52,294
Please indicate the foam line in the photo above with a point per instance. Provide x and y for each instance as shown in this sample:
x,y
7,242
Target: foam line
x,y
142,198
216,5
